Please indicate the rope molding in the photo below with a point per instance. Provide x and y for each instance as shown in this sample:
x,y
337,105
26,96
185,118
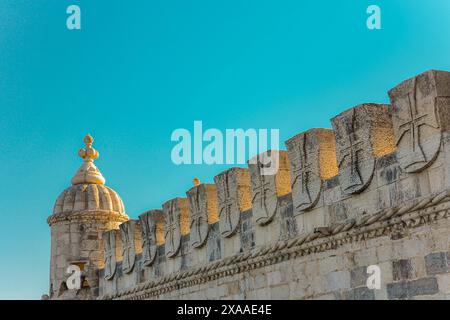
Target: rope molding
x,y
94,215
413,214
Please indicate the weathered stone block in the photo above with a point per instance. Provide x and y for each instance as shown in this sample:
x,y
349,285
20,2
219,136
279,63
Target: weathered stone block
x,y
247,227
331,263
398,290
312,156
406,290
412,248
444,283
262,294
331,195
270,179
328,296
158,267
176,214
261,281
112,252
436,179
420,113
184,252
213,244
288,226
338,280
202,212
358,277
152,234
437,263
363,134
424,286
388,170
338,212
366,256
362,293
234,197
131,244
412,187
280,292
274,278
402,269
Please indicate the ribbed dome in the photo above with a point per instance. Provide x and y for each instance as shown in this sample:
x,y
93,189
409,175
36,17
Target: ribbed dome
x,y
88,192
82,197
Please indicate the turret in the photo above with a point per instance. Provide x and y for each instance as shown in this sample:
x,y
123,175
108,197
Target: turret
x,y
80,216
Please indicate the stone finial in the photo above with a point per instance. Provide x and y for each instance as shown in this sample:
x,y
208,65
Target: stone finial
x,y
420,114
234,196
88,153
312,156
88,172
363,133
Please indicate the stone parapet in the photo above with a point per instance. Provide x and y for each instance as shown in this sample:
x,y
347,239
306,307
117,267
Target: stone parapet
x,y
341,200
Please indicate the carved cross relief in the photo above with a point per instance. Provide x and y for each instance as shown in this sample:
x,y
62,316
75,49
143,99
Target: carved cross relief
x,y
148,232
198,215
306,182
229,213
173,231
350,152
308,175
129,252
264,198
416,127
356,160
109,244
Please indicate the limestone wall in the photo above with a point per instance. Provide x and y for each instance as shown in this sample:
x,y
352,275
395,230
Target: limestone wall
x,y
374,190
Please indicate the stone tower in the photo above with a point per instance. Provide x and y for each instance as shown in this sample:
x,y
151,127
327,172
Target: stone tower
x,y
81,214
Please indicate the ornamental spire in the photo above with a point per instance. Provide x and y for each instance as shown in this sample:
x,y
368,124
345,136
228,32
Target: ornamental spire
x,y
88,172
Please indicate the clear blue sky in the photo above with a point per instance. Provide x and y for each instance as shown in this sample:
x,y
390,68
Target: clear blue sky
x,y
140,69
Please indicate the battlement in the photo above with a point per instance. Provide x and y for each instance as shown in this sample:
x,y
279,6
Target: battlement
x,y
366,186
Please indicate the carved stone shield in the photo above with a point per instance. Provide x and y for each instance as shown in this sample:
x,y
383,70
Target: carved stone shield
x,y
306,183
109,245
227,194
172,215
416,126
264,194
198,215
127,230
356,134
148,233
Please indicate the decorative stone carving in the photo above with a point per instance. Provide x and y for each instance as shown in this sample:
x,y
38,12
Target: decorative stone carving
x,y
363,133
312,155
129,243
349,232
109,245
176,216
202,212
264,200
267,187
233,193
416,122
148,222
88,172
